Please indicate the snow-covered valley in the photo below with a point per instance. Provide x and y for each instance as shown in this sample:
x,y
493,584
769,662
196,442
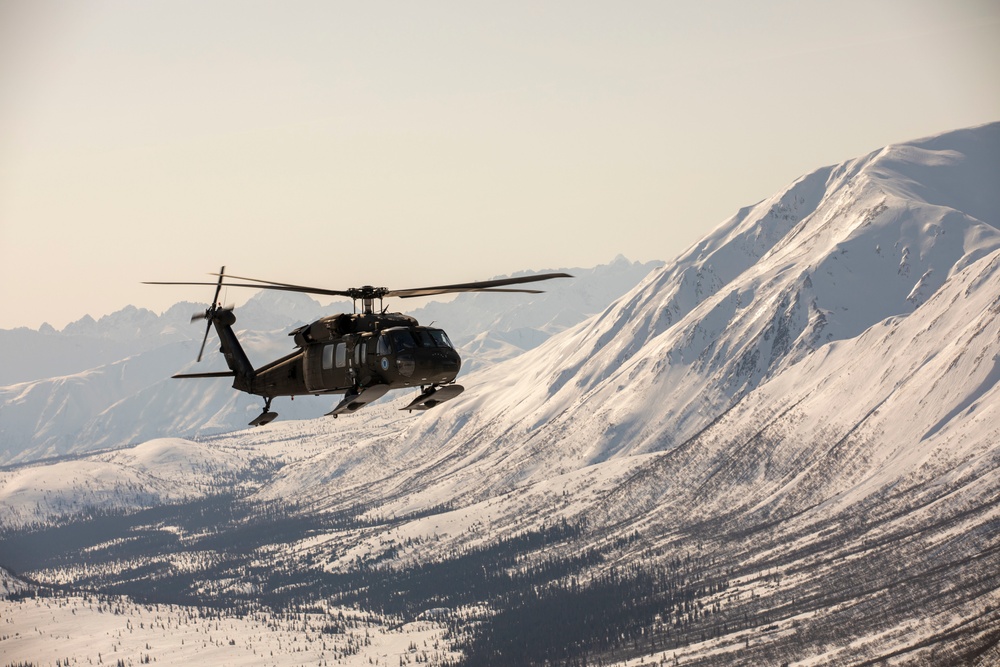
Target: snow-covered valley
x,y
781,447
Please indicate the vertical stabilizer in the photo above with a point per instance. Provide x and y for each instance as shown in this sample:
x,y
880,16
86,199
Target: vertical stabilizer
x,y
236,358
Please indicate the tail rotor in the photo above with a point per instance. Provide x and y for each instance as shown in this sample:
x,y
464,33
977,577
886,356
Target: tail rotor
x,y
210,312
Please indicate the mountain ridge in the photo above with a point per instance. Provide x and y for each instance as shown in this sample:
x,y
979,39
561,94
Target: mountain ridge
x,y
780,447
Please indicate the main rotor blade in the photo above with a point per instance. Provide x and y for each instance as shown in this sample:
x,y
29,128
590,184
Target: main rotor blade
x,y
283,288
434,291
480,286
289,287
380,292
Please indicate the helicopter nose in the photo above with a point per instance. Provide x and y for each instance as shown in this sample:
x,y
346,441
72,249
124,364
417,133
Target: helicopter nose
x,y
436,366
448,361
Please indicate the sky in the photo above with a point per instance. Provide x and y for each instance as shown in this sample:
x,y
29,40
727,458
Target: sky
x,y
404,144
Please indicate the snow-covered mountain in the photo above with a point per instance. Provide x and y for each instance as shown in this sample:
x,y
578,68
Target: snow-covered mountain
x,y
843,252
27,355
783,446
768,311
106,383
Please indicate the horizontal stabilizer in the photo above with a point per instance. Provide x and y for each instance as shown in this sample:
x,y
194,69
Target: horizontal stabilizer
x,y
218,374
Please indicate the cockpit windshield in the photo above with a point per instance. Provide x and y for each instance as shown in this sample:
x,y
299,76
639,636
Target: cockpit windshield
x,y
408,339
440,337
402,340
423,337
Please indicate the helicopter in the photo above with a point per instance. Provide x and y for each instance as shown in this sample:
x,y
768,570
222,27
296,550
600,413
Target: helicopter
x,y
362,355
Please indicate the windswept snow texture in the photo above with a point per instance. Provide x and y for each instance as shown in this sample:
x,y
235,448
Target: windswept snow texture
x,y
799,418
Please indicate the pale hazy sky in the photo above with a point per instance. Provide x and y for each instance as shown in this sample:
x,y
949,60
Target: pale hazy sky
x,y
417,143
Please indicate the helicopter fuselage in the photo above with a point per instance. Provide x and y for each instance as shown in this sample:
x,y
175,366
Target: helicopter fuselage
x,y
346,353
361,355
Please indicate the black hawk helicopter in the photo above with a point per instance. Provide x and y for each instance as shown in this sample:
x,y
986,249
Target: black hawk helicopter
x,y
361,354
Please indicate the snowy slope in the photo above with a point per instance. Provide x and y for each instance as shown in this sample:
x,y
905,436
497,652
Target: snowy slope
x,y
9,584
774,290
154,473
99,630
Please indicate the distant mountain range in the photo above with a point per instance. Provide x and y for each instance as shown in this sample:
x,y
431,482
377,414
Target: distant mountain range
x,y
106,383
781,447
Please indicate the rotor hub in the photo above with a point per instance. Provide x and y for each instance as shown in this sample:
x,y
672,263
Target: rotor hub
x,y
367,294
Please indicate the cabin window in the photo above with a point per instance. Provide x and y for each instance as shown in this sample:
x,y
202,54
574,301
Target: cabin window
x,y
327,357
341,355
363,354
382,348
